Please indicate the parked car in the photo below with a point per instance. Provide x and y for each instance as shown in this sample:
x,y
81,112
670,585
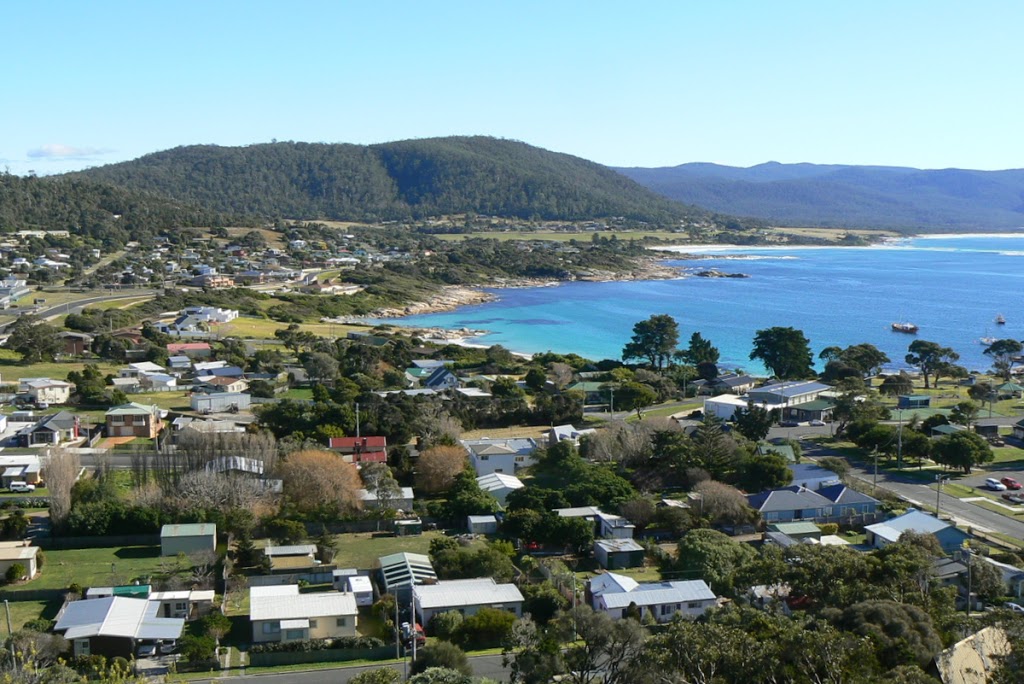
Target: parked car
x,y
1014,499
1010,483
789,423
168,647
995,485
146,651
22,487
1015,607
817,423
407,632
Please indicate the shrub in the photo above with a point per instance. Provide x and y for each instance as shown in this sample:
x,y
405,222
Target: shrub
x,y
75,588
347,643
119,666
197,649
441,654
15,573
488,627
445,625
829,528
39,625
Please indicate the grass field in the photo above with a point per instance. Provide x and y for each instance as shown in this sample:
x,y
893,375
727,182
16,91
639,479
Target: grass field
x,y
96,567
23,611
11,369
361,550
264,328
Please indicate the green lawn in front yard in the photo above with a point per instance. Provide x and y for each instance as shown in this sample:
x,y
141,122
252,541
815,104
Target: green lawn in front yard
x,y
23,611
304,393
361,549
11,368
96,567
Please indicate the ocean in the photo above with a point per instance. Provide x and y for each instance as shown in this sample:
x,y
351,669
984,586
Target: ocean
x,y
952,287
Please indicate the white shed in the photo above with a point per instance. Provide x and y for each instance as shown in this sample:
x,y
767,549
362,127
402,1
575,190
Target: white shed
x,y
482,524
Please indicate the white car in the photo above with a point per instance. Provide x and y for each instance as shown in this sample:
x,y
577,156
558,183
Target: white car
x,y
817,423
995,485
146,651
22,487
1015,607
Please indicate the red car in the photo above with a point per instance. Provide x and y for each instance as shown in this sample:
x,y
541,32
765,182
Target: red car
x,y
1010,483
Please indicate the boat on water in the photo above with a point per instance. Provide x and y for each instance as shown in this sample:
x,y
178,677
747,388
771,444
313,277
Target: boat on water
x,y
1000,319
905,328
987,341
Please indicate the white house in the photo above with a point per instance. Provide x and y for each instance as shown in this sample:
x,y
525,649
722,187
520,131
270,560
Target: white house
x,y
499,485
661,600
19,552
403,501
790,393
358,585
466,597
489,456
45,390
724,406
482,524
210,314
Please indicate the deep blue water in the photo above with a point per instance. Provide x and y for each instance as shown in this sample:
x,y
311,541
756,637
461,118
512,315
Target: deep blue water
x,y
952,287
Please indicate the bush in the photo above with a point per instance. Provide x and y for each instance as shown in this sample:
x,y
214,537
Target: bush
x,y
197,649
487,628
120,666
445,625
829,528
39,625
347,643
286,531
441,654
15,573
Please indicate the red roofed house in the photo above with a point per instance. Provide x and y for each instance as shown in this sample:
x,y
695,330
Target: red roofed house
x,y
361,449
193,350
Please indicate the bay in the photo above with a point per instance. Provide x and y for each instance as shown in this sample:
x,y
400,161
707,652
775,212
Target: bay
x,y
951,286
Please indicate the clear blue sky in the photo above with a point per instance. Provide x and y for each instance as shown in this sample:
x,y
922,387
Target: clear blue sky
x,y
929,83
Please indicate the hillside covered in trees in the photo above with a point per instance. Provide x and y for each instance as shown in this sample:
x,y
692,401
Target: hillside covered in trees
x,y
108,214
847,196
408,179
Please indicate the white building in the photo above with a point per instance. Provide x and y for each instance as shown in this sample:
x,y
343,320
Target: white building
x,y
210,314
281,613
465,597
499,485
489,456
45,390
614,594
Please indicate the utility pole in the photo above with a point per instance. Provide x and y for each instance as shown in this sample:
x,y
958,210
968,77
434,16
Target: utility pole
x,y
611,403
357,420
874,481
969,559
899,440
938,495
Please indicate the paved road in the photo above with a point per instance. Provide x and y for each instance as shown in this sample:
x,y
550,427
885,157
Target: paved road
x,y
76,307
483,666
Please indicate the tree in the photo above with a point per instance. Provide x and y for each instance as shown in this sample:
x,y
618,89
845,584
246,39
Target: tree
x,y
866,358
895,385
321,368
713,557
713,450
62,468
837,465
753,422
699,351
438,467
441,654
319,481
654,340
532,656
630,396
487,628
197,649
929,357
216,625
983,392
1004,353
962,450
379,481
898,631
965,413
34,340
786,352
758,473
609,647
985,580
723,505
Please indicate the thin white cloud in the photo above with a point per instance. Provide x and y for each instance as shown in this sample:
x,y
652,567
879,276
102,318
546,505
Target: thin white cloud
x,y
58,151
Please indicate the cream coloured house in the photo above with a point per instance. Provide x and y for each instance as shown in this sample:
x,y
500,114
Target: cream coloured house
x,y
281,613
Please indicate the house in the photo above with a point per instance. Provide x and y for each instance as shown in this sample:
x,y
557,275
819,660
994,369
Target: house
x,y
725,406
489,456
482,524
441,379
913,401
849,502
499,485
210,314
360,449
188,604
616,554
51,430
19,552
204,367
179,363
783,450
786,394
219,402
946,429
1018,429
76,343
134,420
221,371
616,596
282,614
402,501
291,558
47,391
188,538
729,383
135,370
212,280
12,289
400,571
1013,577
790,503
567,433
466,597
790,533
606,525
811,476
158,382
193,350
212,384
358,585
888,532
114,626
20,468
126,385
594,393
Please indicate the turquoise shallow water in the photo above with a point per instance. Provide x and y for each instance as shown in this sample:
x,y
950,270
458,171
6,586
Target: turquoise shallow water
x,y
952,287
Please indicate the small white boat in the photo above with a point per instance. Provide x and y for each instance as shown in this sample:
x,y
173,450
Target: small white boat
x,y
987,341
1000,319
905,328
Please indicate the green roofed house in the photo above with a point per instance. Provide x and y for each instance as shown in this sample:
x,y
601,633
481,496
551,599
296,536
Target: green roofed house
x,y
1010,389
946,429
593,392
188,539
914,401
797,530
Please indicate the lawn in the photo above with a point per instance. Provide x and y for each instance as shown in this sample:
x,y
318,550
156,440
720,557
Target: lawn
x,y
97,567
166,400
23,611
361,550
11,368
250,327
303,393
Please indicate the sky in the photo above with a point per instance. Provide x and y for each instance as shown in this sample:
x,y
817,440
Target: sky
x,y
923,83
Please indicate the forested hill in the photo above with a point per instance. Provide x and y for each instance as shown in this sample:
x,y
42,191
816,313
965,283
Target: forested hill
x,y
413,178
111,215
848,196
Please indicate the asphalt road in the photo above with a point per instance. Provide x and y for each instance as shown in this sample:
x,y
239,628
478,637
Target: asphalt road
x,y
76,307
483,666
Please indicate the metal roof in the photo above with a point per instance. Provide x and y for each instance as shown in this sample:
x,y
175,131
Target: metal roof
x,y
482,591
117,616
618,545
661,593
404,569
132,409
188,530
293,550
299,606
914,520
791,389
495,481
788,499
612,583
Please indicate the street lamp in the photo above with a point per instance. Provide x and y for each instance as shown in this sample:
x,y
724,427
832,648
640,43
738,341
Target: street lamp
x,y
938,494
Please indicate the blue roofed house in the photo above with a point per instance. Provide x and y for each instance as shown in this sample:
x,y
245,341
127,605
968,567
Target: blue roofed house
x,y
616,594
791,503
441,379
849,502
889,531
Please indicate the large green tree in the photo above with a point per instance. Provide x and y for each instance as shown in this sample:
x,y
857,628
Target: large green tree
x,y
654,341
1004,353
699,351
930,358
34,340
786,352
962,450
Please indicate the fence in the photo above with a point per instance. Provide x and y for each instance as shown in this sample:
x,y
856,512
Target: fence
x,y
32,594
63,543
325,656
292,578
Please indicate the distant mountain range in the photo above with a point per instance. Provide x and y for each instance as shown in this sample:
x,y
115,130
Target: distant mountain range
x,y
847,196
413,178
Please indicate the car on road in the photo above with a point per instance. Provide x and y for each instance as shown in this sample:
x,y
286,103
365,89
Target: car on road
x,y
1015,607
1014,499
817,423
994,484
22,487
1010,483
789,423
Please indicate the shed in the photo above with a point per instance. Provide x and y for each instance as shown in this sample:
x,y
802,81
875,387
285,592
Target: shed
x,y
409,527
187,539
797,530
615,554
482,524
220,401
351,581
914,401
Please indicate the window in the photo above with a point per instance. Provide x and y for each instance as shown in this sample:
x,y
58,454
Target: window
x,y
520,459
180,605
693,604
667,610
271,627
82,647
295,634
485,457
340,622
312,624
